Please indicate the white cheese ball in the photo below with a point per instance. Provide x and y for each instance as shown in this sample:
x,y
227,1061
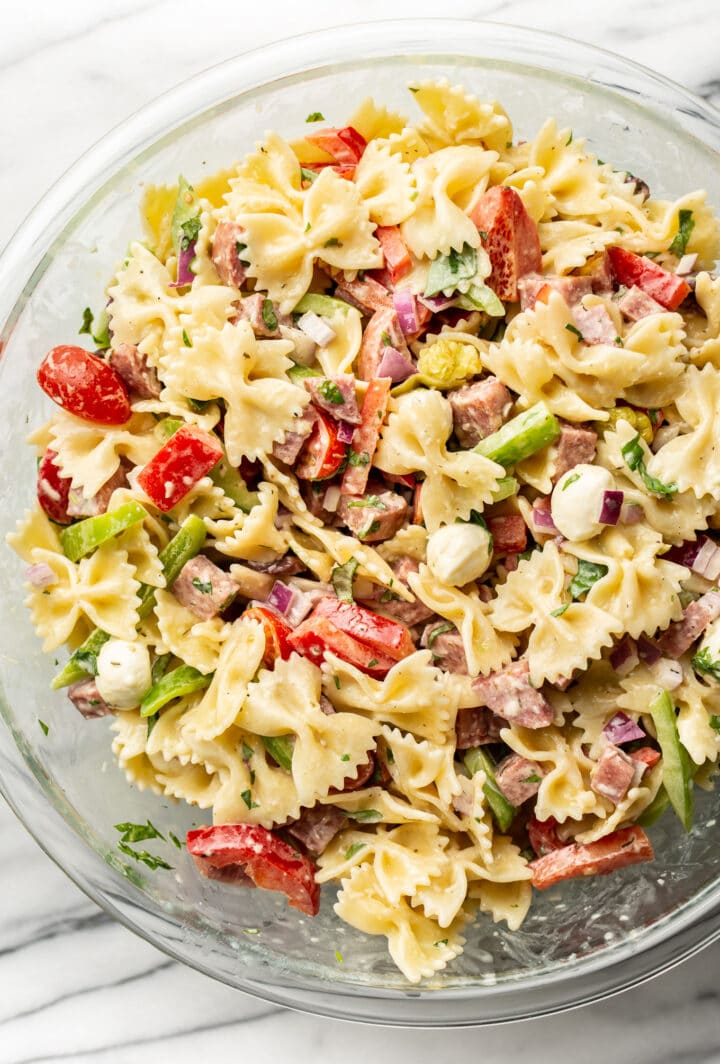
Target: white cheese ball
x,y
124,674
710,645
577,501
457,554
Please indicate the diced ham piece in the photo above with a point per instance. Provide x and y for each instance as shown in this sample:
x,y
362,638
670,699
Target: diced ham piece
x,y
317,827
373,518
575,446
81,506
680,635
636,304
601,275
509,533
386,602
621,848
226,254
476,726
366,294
250,308
344,388
132,366
613,774
448,650
510,694
383,330
285,565
571,288
292,445
479,409
361,777
595,324
86,698
518,778
203,588
510,237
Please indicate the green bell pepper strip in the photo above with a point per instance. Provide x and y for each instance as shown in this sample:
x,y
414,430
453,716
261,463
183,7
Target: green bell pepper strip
x,y
503,812
228,478
317,303
159,667
298,373
188,542
184,680
168,427
280,748
186,210
677,769
521,436
505,489
86,536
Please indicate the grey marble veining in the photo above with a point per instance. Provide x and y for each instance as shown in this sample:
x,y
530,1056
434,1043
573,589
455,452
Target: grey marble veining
x,y
75,986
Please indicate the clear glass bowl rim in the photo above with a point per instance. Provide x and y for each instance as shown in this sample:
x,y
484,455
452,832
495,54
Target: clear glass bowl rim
x,y
632,962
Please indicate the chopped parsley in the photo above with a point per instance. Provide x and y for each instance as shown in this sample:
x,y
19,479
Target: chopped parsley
x,y
308,175
240,248
338,956
372,663
151,860
702,662
374,526
174,840
440,630
345,757
247,752
342,579
269,316
138,832
686,224
333,242
331,393
352,850
186,339
715,722
336,681
308,227
369,500
575,330
634,456
355,459
441,942
588,573
315,116
365,816
532,778
190,230
205,588
247,798
44,726
569,140
385,337
570,480
560,610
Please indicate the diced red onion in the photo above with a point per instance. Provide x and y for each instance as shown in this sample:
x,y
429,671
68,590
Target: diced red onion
x,y
622,729
185,275
298,609
317,329
624,656
686,264
707,562
40,575
345,431
332,496
280,597
395,365
668,673
542,519
632,513
406,310
647,651
686,553
611,507
436,303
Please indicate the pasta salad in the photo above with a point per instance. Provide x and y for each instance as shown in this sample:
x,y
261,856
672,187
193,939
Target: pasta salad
x,y
377,513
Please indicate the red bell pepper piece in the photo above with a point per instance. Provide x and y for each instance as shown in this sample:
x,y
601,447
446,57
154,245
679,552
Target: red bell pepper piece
x,y
344,145
647,756
186,457
53,489
276,632
366,436
85,386
323,452
630,269
270,862
382,634
626,847
398,262
317,636
510,237
543,835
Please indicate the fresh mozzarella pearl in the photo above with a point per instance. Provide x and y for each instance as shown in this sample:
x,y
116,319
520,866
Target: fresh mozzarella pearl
x,y
577,500
711,642
124,675
457,554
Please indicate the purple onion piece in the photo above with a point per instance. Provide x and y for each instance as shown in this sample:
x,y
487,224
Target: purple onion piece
x,y
395,365
345,431
707,561
40,575
611,507
280,597
624,656
436,303
185,276
632,513
406,310
543,519
299,608
622,729
686,553
647,651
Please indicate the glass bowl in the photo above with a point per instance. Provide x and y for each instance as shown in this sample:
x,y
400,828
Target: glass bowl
x,y
580,942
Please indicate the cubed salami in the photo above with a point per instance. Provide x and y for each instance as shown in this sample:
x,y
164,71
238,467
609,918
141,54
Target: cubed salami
x,y
534,285
680,636
373,518
595,324
479,409
366,294
203,588
80,506
448,650
87,699
577,444
335,395
288,450
317,827
140,377
636,304
613,774
227,242
510,694
262,314
384,600
509,533
476,726
518,778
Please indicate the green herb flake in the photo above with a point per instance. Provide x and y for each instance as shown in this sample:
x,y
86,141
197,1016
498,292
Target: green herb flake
x,y
342,579
138,832
715,722
338,956
247,798
345,757
570,480
440,630
205,588
365,816
532,778
308,227
385,337
575,330
634,456
186,339
686,224
336,681
560,610
369,500
331,393
372,663
333,242
87,320
373,527
440,942
352,850
153,862
308,175
702,662
151,722
569,140
174,840
315,116
358,459
251,930
247,752
44,726
269,316
588,573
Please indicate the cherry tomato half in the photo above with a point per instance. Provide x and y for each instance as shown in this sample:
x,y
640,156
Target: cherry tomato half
x,y
85,386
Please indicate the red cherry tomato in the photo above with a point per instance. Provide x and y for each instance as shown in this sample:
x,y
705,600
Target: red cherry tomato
x,y
543,835
276,632
53,489
270,862
510,237
391,638
322,453
317,636
85,386
186,457
630,269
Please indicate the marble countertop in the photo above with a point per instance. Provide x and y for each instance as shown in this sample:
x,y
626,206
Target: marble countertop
x,y
76,986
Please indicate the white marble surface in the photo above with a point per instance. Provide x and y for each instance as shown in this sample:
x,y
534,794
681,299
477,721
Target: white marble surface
x,y
73,985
